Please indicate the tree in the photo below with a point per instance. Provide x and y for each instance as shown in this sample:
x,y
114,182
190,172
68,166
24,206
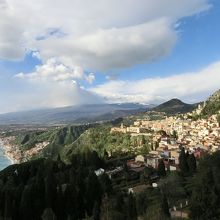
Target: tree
x,y
96,211
218,119
26,207
106,184
93,192
175,135
48,214
204,202
205,199
50,189
161,169
165,206
70,196
184,168
156,144
132,212
141,202
143,141
191,160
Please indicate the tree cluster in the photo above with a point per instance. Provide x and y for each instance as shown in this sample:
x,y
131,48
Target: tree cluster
x,y
205,198
46,189
187,163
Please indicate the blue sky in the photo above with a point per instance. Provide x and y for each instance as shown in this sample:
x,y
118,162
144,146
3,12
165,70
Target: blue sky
x,y
108,56
198,45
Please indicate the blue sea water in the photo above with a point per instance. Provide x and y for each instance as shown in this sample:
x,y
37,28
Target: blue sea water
x,y
4,161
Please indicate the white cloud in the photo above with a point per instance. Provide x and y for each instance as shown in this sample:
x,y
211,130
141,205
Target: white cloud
x,y
114,48
97,35
36,54
11,34
45,94
90,78
190,87
53,71
51,85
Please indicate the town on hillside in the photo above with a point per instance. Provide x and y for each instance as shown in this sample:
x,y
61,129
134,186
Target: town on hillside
x,y
169,135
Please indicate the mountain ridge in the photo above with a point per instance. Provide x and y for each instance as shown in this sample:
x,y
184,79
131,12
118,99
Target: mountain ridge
x,y
73,114
174,106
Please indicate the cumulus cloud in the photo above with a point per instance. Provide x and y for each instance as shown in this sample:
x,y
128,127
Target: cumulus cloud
x,y
191,87
51,85
53,71
99,35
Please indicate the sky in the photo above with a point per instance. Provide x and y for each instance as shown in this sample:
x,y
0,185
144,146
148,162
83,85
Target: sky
x,y
58,53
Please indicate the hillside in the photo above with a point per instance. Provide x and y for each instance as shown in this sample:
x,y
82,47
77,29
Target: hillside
x,y
212,105
114,145
73,114
66,141
174,106
50,141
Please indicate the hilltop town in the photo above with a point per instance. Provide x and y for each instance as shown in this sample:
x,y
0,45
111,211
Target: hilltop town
x,y
198,137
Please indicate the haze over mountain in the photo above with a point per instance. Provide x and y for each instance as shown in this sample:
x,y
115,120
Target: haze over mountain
x,y
74,114
91,113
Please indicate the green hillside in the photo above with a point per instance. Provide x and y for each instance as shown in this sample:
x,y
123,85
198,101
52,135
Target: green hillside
x,y
57,138
105,143
66,141
212,105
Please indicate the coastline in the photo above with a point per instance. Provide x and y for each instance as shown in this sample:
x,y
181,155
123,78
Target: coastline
x,y
15,154
10,151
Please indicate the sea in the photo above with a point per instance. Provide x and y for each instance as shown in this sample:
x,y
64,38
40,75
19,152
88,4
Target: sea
x,y
4,161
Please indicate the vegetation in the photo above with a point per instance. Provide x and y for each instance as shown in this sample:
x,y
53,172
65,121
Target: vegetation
x,y
211,108
212,105
44,186
183,165
218,118
57,138
66,141
204,202
161,169
53,190
62,136
187,163
108,144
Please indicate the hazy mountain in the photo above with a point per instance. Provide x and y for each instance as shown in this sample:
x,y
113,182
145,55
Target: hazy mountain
x,y
73,114
174,106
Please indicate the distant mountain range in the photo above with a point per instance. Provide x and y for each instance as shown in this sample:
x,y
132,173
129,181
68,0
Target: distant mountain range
x,y
74,114
104,112
174,106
